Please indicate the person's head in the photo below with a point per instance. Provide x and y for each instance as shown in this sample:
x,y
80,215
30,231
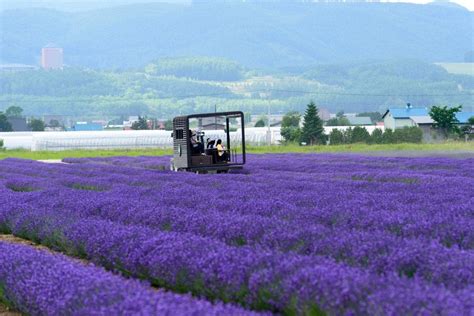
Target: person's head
x,y
219,142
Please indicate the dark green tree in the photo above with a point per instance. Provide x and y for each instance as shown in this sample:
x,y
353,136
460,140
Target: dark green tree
x,y
36,125
14,111
377,136
387,137
260,123
291,119
313,131
54,123
445,118
290,127
5,126
407,134
360,135
141,124
336,137
168,125
347,135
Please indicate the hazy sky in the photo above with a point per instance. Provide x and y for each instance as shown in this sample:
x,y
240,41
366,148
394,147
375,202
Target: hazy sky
x,y
51,3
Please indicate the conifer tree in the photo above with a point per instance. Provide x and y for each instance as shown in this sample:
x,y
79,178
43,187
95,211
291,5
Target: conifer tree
x,y
140,124
313,131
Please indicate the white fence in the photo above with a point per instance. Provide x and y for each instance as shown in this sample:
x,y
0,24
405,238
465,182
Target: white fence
x,y
133,139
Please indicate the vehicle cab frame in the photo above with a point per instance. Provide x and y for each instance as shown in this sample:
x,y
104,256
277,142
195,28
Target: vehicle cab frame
x,y
206,159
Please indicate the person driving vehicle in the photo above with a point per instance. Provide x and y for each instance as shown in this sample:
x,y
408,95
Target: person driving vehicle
x,y
196,146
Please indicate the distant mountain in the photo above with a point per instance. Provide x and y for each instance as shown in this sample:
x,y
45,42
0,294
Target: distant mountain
x,y
265,35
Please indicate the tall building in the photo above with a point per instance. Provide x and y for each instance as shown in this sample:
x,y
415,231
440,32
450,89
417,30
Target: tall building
x,y
52,57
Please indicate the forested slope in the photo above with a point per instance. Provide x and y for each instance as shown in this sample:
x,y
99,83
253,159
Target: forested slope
x,y
268,35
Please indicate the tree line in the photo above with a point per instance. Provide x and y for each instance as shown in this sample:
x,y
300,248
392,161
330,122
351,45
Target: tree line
x,y
312,130
15,112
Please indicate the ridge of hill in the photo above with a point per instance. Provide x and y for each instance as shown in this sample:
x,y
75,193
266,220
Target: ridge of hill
x,y
258,35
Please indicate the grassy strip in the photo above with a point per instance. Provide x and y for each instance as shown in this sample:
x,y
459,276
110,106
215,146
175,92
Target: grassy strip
x,y
81,153
360,148
291,148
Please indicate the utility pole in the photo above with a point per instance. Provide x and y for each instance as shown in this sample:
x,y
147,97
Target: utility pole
x,y
269,132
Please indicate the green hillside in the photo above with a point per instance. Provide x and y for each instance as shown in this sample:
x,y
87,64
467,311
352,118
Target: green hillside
x,y
168,87
265,35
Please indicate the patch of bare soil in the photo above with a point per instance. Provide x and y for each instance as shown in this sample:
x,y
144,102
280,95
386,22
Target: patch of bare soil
x,y
16,240
5,311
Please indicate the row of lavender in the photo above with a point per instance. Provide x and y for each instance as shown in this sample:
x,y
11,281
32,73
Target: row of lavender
x,y
36,282
369,199
272,220
382,252
256,278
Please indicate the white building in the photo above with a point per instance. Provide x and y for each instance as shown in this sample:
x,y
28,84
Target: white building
x,y
401,117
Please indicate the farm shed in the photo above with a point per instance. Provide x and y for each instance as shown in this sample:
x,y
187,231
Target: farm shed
x,y
409,116
401,117
359,120
19,124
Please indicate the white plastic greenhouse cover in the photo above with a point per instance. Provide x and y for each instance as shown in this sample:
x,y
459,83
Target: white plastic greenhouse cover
x,y
117,139
133,139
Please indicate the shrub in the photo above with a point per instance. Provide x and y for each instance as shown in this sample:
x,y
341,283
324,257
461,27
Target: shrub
x,y
348,135
290,130
291,134
408,135
336,137
360,135
387,137
377,136
260,123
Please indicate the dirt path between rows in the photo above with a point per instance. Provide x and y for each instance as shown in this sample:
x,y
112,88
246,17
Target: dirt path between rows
x,y
21,241
5,311
17,240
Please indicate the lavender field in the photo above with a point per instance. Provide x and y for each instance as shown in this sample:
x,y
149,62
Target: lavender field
x,y
290,234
